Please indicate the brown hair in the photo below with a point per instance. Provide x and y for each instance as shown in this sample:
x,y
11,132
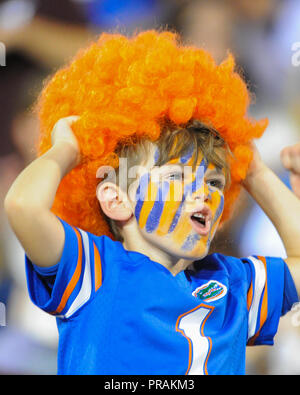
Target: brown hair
x,y
173,143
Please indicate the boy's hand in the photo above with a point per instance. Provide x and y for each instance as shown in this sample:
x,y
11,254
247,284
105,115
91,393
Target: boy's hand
x,y
62,133
290,158
256,166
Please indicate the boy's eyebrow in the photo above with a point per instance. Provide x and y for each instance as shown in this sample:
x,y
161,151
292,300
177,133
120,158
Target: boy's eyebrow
x,y
174,165
215,171
182,165
169,165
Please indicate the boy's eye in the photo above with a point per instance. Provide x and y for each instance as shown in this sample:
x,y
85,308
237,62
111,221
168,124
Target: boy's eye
x,y
176,176
215,183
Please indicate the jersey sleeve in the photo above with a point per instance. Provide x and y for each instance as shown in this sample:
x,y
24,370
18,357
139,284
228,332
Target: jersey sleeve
x,y
63,289
271,294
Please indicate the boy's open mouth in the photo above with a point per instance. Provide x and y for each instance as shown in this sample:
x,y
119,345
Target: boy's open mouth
x,y
201,220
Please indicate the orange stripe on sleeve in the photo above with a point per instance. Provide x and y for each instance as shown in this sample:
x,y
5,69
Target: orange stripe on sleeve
x,y
252,340
250,296
97,268
74,279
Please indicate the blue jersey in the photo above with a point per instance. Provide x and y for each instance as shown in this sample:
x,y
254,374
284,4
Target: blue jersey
x,y
118,312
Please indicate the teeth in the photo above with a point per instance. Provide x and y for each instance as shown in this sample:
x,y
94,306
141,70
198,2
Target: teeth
x,y
198,215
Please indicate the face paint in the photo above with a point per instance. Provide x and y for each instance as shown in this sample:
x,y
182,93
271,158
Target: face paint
x,y
189,189
157,209
166,220
215,201
141,195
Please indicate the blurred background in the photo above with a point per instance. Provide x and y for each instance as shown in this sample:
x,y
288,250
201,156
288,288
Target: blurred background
x,y
41,35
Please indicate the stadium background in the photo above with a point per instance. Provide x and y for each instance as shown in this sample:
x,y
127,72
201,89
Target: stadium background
x,y
39,36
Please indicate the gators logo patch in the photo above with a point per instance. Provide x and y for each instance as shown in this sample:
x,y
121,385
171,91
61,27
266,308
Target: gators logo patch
x,y
213,290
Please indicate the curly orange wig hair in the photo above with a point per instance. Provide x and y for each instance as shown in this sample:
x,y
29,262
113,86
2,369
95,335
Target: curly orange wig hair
x,y
124,89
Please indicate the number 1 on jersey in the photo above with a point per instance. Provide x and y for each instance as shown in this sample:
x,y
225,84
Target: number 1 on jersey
x,y
191,325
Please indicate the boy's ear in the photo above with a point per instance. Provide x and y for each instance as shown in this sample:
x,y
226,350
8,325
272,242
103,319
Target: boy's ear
x,y
113,201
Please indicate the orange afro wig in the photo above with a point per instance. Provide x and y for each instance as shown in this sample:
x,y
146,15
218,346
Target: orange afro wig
x,y
124,89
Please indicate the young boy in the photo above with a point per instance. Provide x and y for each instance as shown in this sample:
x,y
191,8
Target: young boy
x,y
152,301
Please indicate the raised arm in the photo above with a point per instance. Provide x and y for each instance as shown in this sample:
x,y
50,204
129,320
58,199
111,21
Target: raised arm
x,y
290,158
28,202
282,207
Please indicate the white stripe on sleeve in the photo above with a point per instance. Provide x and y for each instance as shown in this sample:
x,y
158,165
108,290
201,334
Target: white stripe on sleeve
x,y
86,286
259,284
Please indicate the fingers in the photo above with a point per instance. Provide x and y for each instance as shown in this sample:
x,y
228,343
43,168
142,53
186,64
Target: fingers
x,y
290,158
62,133
62,130
285,158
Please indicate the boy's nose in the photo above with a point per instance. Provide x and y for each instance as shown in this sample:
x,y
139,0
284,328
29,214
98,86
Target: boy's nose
x,y
202,194
206,192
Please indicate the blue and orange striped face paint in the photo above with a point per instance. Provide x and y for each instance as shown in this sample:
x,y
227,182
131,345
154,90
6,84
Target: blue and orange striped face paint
x,y
167,196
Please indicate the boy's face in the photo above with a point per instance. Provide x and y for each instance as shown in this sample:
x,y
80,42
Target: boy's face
x,y
178,208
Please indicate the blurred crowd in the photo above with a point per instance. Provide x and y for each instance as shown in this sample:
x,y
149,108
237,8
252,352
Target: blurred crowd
x,y
41,35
